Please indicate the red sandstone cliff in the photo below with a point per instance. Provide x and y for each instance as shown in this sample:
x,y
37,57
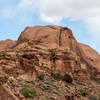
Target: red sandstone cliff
x,y
46,49
72,56
5,44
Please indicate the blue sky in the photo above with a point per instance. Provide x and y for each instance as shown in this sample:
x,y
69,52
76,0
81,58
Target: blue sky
x,y
82,16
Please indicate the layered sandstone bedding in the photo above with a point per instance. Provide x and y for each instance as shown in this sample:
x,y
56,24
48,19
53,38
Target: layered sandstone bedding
x,y
43,50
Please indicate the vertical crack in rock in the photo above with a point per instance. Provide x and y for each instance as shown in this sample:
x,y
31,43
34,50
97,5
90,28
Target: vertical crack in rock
x,y
60,39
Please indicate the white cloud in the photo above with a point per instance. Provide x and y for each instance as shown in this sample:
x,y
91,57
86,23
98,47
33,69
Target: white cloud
x,y
59,9
51,19
86,10
55,10
94,25
78,9
25,3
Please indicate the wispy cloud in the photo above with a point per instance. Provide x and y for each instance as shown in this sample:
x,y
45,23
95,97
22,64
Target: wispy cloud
x,y
55,10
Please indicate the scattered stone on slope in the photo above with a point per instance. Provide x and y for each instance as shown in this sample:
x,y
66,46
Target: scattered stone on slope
x,y
42,50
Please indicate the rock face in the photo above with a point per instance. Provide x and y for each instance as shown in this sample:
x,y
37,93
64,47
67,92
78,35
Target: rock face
x,y
61,38
52,47
50,36
92,57
5,44
47,49
6,94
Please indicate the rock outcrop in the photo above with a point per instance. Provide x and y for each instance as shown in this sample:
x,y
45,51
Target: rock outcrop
x,y
6,44
60,38
46,49
52,47
93,59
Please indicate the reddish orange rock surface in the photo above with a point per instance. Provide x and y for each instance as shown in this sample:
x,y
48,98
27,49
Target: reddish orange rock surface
x,y
5,44
46,49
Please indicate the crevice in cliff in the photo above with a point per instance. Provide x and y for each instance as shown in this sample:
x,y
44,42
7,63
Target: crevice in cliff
x,y
60,39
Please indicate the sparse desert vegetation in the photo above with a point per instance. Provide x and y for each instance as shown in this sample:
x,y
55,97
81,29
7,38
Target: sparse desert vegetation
x,y
47,63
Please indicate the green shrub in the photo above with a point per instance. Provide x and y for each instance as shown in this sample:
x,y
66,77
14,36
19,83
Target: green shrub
x,y
95,79
93,97
14,75
84,92
67,78
56,76
41,77
28,93
52,51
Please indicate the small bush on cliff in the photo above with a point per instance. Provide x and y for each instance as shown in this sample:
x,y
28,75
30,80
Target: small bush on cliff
x,y
41,77
56,76
93,78
84,92
93,97
28,93
52,51
67,78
